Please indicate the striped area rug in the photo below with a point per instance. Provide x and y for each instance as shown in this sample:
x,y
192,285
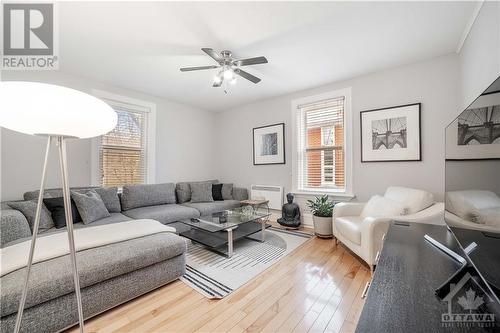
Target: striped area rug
x,y
216,276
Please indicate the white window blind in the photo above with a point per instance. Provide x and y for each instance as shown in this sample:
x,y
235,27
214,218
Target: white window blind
x,y
321,150
122,152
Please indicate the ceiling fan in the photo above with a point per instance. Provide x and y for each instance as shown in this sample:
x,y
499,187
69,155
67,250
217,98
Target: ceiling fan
x,y
228,67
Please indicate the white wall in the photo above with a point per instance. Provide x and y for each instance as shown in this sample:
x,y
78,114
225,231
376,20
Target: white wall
x,y
480,54
184,142
433,83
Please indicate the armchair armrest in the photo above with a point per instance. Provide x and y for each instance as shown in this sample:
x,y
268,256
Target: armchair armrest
x,y
348,209
372,233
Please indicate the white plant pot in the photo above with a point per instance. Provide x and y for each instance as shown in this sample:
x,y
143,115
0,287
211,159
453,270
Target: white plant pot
x,y
323,226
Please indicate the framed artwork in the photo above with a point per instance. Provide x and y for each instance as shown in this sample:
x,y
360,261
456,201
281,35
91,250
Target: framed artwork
x,y
475,133
391,134
269,144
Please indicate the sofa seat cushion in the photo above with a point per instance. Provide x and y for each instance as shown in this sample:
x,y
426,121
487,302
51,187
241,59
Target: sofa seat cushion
x,y
349,227
163,213
206,208
53,278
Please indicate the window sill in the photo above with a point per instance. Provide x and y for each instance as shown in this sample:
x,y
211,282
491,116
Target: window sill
x,y
324,192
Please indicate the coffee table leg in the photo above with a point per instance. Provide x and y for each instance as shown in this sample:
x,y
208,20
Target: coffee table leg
x,y
229,243
263,230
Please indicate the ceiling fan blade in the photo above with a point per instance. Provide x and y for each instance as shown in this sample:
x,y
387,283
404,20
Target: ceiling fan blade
x,y
189,69
247,75
250,61
214,55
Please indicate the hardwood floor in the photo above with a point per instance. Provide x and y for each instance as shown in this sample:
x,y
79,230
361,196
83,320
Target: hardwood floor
x,y
317,288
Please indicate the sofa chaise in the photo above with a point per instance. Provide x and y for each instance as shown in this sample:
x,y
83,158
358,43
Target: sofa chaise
x,y
110,274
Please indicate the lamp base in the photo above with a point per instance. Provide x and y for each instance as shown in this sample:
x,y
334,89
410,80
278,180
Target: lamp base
x,y
69,223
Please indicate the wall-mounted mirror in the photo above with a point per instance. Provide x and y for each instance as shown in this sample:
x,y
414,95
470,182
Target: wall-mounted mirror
x,y
473,182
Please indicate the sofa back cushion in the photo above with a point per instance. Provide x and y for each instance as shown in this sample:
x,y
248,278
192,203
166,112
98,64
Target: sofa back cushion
x,y
109,195
55,192
379,206
413,200
183,190
134,196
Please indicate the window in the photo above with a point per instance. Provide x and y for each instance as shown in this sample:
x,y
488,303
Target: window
x,y
123,151
321,160
125,155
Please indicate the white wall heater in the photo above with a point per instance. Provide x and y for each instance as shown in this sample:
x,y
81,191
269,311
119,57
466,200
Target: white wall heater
x,y
269,192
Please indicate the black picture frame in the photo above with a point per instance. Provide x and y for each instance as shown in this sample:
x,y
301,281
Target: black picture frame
x,y
280,147
419,159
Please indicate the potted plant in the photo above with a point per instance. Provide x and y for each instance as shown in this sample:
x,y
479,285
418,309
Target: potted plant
x,y
322,210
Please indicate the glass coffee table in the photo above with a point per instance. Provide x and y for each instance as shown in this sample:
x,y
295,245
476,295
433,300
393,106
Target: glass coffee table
x,y
220,230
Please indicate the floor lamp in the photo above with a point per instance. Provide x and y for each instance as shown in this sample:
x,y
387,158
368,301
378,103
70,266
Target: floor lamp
x,y
59,114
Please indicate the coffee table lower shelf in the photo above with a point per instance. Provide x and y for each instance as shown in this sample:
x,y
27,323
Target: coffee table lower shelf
x,y
220,240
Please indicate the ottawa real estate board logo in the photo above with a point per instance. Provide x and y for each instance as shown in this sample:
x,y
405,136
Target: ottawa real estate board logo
x,y
30,38
467,306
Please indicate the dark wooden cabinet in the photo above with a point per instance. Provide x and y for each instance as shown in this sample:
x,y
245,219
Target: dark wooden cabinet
x,y
401,295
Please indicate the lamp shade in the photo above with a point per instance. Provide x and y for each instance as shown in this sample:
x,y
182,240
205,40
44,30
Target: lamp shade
x,y
40,108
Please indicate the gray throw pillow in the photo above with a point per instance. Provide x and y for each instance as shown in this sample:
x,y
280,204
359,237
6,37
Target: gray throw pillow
x,y
109,196
28,208
227,191
183,191
201,192
90,206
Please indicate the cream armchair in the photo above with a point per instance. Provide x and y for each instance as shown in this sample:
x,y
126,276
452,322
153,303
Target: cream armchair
x,y
362,226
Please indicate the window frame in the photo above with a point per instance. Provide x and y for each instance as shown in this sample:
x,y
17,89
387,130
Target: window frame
x,y
348,143
133,104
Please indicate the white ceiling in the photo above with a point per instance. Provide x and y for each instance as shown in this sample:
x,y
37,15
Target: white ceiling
x,y
141,46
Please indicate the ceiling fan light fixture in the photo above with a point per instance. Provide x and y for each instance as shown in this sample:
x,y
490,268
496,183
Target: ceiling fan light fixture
x,y
228,67
228,74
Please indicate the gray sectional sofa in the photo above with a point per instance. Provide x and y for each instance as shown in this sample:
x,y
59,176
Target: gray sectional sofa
x,y
111,274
